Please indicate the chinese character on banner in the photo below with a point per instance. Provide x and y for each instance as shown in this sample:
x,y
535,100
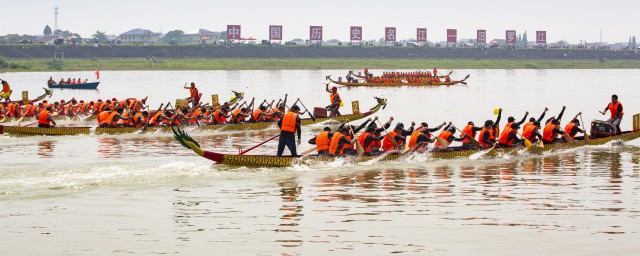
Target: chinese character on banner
x,y
390,34
481,37
452,35
355,33
511,37
541,37
315,33
421,35
233,32
275,32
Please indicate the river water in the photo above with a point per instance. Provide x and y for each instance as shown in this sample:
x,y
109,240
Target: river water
x,y
145,194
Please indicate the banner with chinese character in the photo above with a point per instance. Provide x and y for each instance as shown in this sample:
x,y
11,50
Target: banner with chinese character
x,y
233,32
275,32
315,33
355,33
421,35
481,37
541,37
390,34
452,35
511,37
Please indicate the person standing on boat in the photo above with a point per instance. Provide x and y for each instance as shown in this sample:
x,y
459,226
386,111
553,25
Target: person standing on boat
x,y
45,119
6,90
289,125
336,101
615,108
194,95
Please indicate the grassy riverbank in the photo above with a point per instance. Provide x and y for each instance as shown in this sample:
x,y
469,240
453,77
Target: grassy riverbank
x,y
310,63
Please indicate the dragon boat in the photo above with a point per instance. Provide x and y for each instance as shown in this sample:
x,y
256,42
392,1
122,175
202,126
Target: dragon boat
x,y
359,75
450,153
403,83
31,130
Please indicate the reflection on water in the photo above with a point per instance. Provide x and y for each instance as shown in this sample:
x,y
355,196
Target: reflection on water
x,y
45,149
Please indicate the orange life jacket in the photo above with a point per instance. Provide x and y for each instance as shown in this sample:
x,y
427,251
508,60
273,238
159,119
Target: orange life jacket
x,y
614,109
362,138
154,119
569,128
220,118
413,142
468,130
5,87
444,135
43,117
195,115
482,134
238,116
111,118
333,146
137,119
549,134
102,117
528,130
504,136
387,145
322,141
335,98
193,92
127,122
289,122
527,126
257,115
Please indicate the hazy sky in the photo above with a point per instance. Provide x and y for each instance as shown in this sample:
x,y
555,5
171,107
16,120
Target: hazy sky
x,y
569,20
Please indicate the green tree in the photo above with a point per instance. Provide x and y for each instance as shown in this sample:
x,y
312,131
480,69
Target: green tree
x,y
100,37
47,31
173,36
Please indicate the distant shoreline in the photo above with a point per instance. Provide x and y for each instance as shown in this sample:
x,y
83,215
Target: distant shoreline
x,y
33,65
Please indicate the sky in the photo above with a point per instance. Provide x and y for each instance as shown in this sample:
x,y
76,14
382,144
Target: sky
x,y
569,20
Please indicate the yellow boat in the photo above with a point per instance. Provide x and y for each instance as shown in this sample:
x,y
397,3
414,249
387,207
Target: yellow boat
x,y
30,130
259,161
404,83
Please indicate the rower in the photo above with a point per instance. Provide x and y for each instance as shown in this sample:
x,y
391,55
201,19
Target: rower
x,y
239,115
421,137
6,91
551,131
335,100
399,134
573,128
487,139
532,120
45,119
340,144
509,136
448,135
139,119
180,118
377,145
116,116
322,141
370,141
615,108
102,118
51,81
511,120
470,130
194,95
259,114
289,125
532,132
221,115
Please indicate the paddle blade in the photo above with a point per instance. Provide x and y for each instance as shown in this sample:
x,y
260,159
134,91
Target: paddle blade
x,y
568,138
443,143
586,137
311,115
406,148
528,143
359,148
308,151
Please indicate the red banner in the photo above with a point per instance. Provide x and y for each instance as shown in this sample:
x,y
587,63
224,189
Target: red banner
x,y
233,32
421,35
315,33
355,33
275,32
390,34
541,37
452,35
481,37
511,37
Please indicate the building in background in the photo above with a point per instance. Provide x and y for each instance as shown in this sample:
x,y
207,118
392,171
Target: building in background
x,y
139,36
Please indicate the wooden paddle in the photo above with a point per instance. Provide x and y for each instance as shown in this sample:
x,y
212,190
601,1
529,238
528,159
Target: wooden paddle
x,y
305,109
527,142
586,135
260,144
359,147
443,143
308,151
568,138
393,140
